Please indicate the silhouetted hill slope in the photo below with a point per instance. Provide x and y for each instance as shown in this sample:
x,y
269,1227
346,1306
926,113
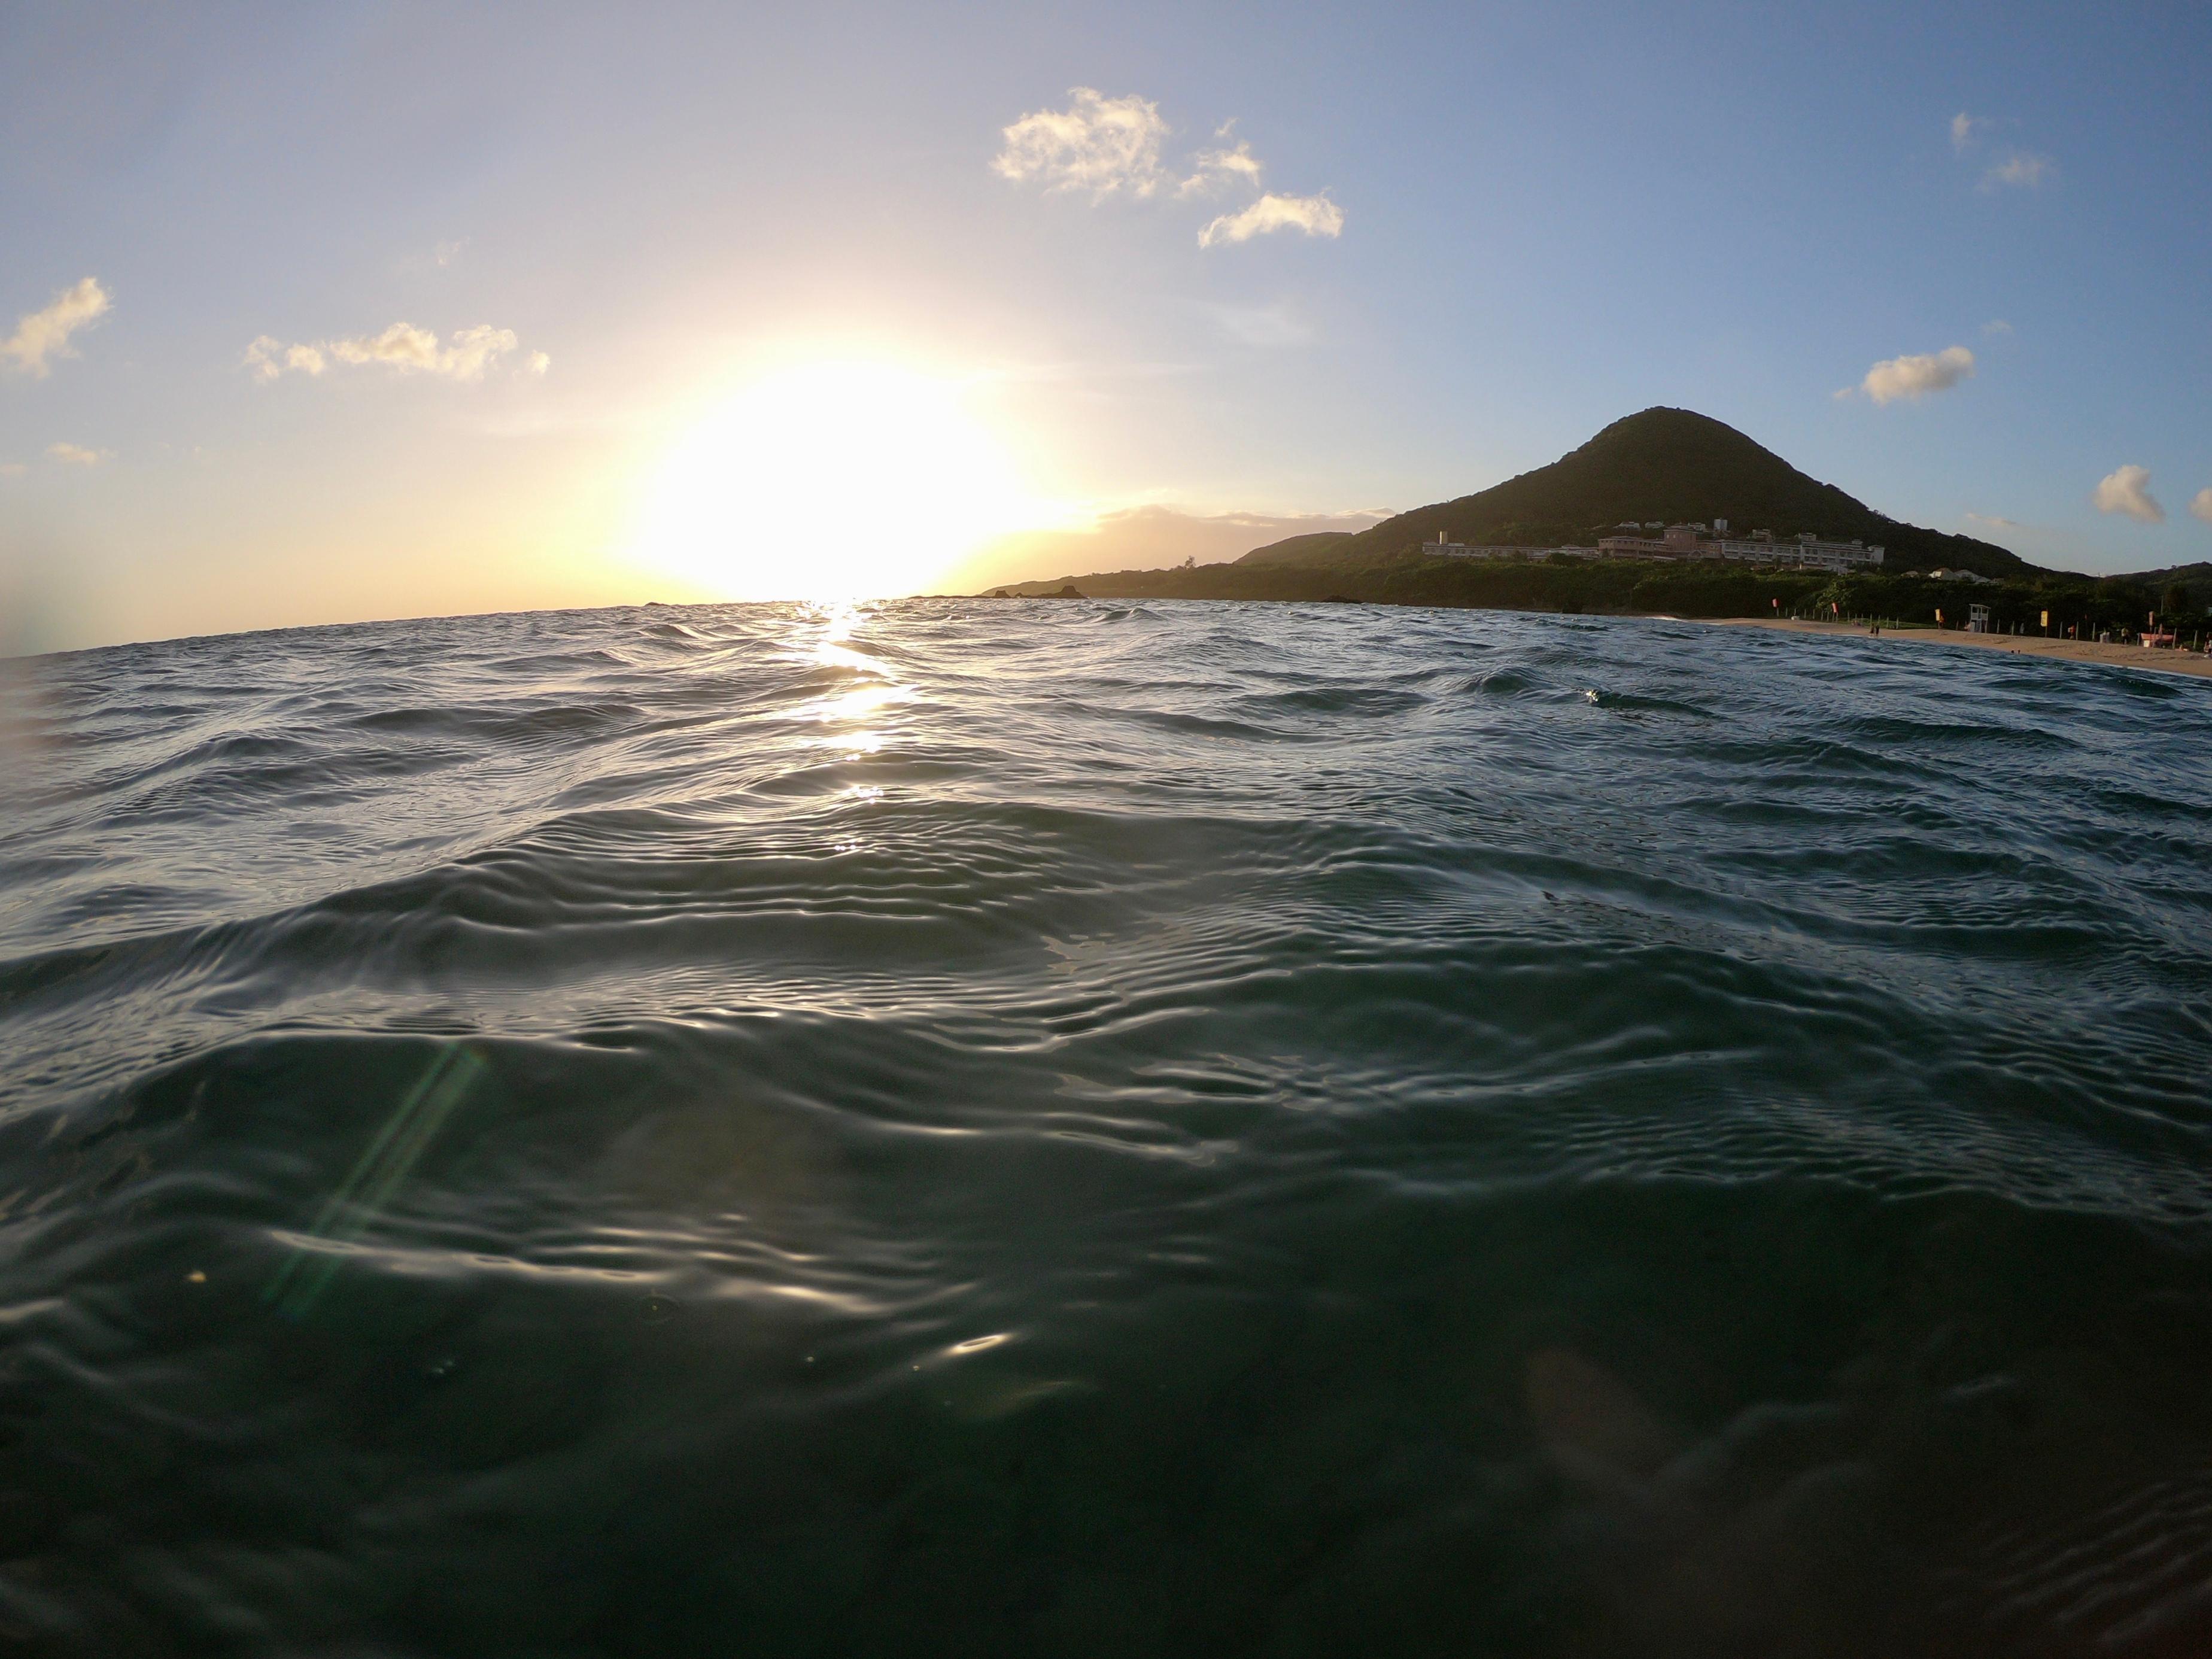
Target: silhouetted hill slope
x,y
1298,549
1665,463
2194,580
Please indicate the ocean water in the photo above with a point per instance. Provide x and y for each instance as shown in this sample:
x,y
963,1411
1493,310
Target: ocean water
x,y
1089,1128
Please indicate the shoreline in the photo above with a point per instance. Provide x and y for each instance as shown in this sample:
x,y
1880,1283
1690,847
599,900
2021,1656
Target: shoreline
x,y
2192,663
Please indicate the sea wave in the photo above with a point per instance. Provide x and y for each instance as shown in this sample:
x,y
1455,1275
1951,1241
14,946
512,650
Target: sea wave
x,y
1098,1127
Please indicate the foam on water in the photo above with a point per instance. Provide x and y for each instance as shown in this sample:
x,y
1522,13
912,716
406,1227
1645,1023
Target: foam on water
x,y
1032,1127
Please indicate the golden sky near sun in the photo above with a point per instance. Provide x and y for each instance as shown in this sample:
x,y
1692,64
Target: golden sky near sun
x,y
827,480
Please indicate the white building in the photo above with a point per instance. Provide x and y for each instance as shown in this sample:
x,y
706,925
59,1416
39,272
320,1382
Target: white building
x,y
1687,541
1684,541
1442,549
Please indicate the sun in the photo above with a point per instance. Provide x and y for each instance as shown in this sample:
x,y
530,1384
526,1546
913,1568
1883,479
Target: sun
x,y
831,480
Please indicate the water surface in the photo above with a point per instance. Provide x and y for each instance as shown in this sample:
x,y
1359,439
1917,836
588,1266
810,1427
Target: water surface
x,y
1067,1128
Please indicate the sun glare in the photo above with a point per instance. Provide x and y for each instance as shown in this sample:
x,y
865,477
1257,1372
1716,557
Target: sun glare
x,y
831,481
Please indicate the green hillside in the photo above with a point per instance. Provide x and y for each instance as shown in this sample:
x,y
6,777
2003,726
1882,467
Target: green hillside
x,y
2193,582
1670,465
1298,549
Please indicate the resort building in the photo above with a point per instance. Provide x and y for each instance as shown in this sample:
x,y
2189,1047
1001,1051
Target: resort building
x,y
1685,541
1444,549
1691,541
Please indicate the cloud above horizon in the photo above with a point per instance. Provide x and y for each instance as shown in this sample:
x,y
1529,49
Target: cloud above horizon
x,y
74,455
1278,325
2020,171
1316,215
41,334
1148,535
403,347
2126,491
1915,376
1107,147
2200,506
1994,521
1215,168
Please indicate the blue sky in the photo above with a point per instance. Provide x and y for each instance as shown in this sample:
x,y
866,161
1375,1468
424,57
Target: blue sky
x,y
1550,217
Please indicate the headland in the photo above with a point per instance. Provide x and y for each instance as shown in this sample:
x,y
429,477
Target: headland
x,y
1671,512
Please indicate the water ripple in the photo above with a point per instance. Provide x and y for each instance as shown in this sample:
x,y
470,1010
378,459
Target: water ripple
x,y
1056,1127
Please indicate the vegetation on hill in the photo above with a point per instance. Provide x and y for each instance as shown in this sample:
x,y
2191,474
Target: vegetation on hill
x,y
2180,586
1294,550
1665,464
1685,589
1671,465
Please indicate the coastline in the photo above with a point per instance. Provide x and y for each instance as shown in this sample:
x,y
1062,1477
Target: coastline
x,y
2123,656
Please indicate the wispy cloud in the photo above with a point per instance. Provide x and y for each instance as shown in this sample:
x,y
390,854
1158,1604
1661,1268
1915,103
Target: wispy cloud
x,y
2200,506
1915,376
1316,215
1993,521
446,252
42,335
12,468
1106,146
269,357
1996,325
2126,491
1145,535
2020,171
1213,169
1263,325
74,455
403,347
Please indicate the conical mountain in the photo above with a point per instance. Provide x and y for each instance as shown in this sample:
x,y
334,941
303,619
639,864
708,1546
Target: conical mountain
x,y
1668,464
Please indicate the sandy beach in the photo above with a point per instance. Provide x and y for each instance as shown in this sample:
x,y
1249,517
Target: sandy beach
x,y
2124,656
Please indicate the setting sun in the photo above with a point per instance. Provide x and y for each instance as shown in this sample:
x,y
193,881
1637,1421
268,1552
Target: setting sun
x,y
829,481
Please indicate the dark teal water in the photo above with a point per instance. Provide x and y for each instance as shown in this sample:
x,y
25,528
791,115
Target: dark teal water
x,y
1032,1128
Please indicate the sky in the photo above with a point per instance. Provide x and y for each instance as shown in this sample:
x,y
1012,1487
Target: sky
x,y
342,312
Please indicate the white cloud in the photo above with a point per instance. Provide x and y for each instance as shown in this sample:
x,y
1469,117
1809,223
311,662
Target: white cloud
x,y
1316,215
72,455
446,252
2020,170
1217,167
1916,376
42,334
269,357
402,346
2126,490
1111,147
2201,505
1996,325
1100,144
1994,522
539,362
